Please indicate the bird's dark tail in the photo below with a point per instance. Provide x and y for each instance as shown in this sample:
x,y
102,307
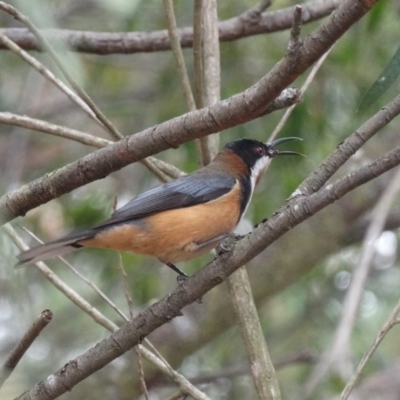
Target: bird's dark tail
x,y
59,247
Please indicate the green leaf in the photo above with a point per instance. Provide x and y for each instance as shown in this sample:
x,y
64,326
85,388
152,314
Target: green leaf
x,y
383,83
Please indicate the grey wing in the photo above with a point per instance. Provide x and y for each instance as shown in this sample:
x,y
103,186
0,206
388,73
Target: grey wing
x,y
186,191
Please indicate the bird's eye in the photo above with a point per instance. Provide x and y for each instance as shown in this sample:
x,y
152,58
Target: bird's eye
x,y
260,151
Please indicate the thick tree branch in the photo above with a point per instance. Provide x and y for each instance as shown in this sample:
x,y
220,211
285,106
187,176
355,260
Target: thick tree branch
x,y
239,27
236,110
101,163
129,335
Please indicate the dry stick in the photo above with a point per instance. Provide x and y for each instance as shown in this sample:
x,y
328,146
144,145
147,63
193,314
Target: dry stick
x,y
129,301
177,52
46,45
262,369
291,214
83,278
20,349
340,346
211,89
303,89
48,75
301,357
130,308
201,144
99,318
52,129
166,169
389,324
180,62
184,384
62,286
198,52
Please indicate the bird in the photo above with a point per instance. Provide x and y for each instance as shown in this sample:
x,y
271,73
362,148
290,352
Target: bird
x,y
183,218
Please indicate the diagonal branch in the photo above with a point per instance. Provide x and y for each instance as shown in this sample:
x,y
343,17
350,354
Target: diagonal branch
x,y
129,335
23,345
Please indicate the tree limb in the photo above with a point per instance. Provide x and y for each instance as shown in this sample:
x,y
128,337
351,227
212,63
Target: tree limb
x,y
231,29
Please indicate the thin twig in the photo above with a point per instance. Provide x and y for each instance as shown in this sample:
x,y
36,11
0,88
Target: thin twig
x,y
84,279
253,14
389,324
185,386
48,75
339,350
57,130
303,89
62,286
47,46
20,349
295,32
177,52
160,168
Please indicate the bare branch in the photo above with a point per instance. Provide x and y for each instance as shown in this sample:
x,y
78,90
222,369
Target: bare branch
x,y
48,75
262,369
389,324
20,349
294,41
177,51
62,286
239,27
211,79
52,129
303,89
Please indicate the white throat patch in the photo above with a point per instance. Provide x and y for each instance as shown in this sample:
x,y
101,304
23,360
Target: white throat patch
x,y
258,169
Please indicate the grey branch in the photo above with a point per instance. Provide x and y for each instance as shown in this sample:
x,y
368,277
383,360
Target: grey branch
x,y
231,29
20,349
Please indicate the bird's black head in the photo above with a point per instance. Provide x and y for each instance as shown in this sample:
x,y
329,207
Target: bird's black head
x,y
249,150
252,151
257,155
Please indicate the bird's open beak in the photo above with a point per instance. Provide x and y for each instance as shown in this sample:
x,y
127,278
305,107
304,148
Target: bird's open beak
x,y
274,152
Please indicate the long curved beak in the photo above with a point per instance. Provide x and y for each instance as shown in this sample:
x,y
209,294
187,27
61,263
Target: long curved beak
x,y
277,142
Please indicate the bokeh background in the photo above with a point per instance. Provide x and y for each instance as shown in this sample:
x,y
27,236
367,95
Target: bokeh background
x,y
298,283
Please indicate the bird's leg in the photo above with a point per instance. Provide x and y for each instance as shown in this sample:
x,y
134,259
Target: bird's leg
x,y
228,243
181,275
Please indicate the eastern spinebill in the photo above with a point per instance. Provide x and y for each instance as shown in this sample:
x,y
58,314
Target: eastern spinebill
x,y
181,219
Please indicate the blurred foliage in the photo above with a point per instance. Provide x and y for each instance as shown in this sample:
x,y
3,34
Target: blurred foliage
x,y
137,91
